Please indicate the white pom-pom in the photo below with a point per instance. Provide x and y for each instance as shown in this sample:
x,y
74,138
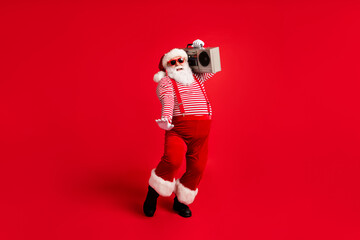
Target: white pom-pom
x,y
158,76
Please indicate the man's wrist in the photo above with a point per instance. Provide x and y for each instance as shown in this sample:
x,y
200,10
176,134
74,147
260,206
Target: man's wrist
x,y
167,118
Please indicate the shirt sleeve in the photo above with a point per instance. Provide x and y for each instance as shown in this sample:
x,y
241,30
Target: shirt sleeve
x,y
165,93
203,77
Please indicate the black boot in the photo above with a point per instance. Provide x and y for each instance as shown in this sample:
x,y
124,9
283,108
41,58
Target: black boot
x,y
182,209
150,202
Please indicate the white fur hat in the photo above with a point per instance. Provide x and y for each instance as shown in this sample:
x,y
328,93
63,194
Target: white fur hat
x,y
176,52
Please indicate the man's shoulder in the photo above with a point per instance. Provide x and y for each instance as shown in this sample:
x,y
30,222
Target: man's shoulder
x,y
196,75
165,82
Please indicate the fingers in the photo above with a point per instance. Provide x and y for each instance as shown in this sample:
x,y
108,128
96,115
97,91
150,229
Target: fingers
x,y
161,120
198,43
164,123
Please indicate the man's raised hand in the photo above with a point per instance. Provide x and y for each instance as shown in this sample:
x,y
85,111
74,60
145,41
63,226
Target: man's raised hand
x,y
198,43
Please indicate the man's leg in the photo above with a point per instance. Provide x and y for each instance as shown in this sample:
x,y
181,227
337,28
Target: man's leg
x,y
162,179
196,158
164,174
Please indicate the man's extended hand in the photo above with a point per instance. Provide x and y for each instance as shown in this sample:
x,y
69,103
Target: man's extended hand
x,y
198,43
164,124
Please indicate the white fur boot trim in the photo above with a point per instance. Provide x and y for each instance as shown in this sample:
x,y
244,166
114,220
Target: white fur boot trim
x,y
161,186
185,195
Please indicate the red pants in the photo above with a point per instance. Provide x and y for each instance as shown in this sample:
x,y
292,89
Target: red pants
x,y
188,139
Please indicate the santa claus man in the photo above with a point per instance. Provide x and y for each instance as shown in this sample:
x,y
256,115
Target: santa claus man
x,y
186,118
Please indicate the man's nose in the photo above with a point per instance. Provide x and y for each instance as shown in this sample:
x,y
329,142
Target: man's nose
x,y
177,63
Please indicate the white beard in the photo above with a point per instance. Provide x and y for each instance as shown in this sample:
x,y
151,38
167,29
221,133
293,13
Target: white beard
x,y
184,75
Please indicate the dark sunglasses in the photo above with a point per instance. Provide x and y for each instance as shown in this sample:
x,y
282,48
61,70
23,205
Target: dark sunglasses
x,y
173,62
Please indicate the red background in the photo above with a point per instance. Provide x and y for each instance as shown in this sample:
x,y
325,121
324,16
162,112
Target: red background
x,y
78,104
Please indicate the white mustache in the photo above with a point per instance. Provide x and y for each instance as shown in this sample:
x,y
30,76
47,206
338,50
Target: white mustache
x,y
181,74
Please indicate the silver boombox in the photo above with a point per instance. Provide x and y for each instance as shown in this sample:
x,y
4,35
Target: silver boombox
x,y
204,60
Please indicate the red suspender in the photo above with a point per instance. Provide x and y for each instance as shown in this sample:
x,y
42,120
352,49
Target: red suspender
x,y
207,100
181,106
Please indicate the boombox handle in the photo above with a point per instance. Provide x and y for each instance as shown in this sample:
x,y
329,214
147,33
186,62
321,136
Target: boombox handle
x,y
190,44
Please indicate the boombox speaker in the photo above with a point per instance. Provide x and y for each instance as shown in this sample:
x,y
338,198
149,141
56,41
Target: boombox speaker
x,y
204,60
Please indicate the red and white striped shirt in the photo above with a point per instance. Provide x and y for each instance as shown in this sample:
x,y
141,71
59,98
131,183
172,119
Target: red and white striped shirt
x,y
192,97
